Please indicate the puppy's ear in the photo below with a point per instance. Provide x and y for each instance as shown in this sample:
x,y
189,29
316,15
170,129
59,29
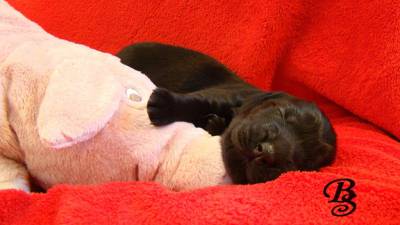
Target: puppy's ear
x,y
81,97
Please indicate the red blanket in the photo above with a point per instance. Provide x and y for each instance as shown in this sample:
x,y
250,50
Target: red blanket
x,y
343,54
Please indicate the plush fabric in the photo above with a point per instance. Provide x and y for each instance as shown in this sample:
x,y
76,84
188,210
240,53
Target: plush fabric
x,y
78,116
342,54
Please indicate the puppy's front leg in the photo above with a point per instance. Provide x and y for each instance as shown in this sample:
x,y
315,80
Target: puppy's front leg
x,y
13,175
165,107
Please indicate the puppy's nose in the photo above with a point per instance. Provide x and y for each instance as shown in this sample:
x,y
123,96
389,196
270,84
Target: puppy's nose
x,y
264,152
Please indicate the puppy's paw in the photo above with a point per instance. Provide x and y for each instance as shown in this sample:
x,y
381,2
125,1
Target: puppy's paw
x,y
160,107
215,125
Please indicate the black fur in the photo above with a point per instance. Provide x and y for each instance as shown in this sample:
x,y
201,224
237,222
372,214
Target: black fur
x,y
263,133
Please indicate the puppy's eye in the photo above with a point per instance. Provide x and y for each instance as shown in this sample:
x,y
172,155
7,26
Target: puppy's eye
x,y
264,153
259,148
133,95
264,148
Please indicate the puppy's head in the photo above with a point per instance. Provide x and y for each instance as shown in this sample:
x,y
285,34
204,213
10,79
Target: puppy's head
x,y
275,133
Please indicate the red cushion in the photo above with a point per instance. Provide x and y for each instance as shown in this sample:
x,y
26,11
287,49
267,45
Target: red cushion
x,y
350,53
343,54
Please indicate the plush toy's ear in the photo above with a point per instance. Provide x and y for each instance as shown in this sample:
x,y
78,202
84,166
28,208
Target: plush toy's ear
x,y
81,97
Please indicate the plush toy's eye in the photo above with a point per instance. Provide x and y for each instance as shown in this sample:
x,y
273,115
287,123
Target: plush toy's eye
x,y
133,95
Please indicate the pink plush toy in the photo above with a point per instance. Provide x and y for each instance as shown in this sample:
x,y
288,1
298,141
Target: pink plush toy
x,y
70,114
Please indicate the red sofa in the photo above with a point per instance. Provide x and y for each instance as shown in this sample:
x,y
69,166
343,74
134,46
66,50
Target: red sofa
x,y
345,55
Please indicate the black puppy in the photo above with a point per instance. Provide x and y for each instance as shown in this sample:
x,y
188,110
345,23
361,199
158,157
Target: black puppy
x,y
263,133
